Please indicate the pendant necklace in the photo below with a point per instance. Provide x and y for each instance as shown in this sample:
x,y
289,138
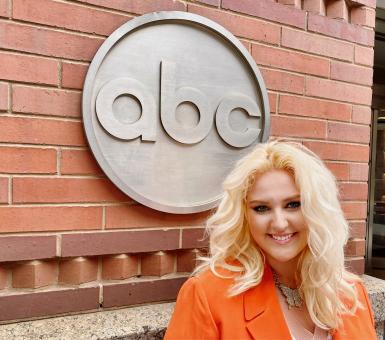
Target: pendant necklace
x,y
292,296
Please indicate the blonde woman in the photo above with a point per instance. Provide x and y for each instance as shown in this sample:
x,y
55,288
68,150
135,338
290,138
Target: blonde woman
x,y
276,264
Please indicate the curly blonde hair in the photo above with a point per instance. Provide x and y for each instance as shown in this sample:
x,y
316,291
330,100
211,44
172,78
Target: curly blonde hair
x,y
325,283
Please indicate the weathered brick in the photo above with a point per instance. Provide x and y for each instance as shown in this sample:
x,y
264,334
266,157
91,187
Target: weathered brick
x,y
337,9
355,265
138,216
267,9
157,264
331,89
23,219
358,172
4,102
340,29
355,248
294,127
34,274
273,102
133,293
363,55
78,270
295,3
27,160
364,16
283,81
48,42
362,114
43,101
186,260
3,278
4,190
60,190
339,170
20,248
41,131
339,151
357,229
12,307
4,8
348,132
120,267
103,243
78,162
73,75
317,44
351,73
314,6
290,60
354,210
68,15
353,191
28,69
194,238
310,107
369,3
243,27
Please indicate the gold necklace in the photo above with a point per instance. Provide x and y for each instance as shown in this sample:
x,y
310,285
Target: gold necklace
x,y
292,295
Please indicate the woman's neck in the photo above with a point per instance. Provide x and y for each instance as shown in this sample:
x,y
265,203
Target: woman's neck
x,y
286,272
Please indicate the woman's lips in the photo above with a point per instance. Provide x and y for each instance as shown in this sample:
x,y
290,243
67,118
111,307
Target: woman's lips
x,y
282,238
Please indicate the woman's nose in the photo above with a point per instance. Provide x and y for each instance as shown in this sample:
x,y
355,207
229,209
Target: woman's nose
x,y
279,220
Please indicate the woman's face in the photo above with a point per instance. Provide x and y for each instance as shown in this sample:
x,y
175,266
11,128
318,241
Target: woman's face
x,y
276,222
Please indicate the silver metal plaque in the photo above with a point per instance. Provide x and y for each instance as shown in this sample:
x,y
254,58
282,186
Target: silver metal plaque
x,y
171,101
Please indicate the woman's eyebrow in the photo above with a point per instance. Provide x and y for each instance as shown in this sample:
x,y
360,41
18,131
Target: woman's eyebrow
x,y
261,201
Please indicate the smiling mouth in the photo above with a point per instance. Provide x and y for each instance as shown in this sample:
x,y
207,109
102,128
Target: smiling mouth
x,y
282,239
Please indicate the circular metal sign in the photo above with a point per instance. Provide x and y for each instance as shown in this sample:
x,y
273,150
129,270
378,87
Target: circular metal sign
x,y
171,101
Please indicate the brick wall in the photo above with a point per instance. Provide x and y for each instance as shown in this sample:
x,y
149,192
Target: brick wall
x,y
70,240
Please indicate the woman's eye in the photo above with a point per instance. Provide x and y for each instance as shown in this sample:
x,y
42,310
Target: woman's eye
x,y
261,208
294,204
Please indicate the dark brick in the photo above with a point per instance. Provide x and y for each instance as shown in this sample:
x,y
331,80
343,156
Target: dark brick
x,y
355,265
18,248
194,238
119,242
134,293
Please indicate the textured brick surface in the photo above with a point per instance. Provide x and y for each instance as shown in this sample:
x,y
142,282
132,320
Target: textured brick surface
x,y
363,16
355,265
4,102
283,81
357,229
3,278
362,114
73,75
354,210
18,248
127,294
78,162
358,172
363,55
78,270
104,243
348,132
157,264
27,160
339,170
351,73
314,6
337,9
25,219
120,267
194,238
13,307
186,261
43,101
353,191
34,274
4,189
295,3
294,127
4,8
355,248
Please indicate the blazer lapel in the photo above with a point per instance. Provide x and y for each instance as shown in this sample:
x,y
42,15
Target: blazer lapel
x,y
262,311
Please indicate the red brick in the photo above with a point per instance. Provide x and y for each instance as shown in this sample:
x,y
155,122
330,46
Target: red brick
x,y
283,81
78,162
295,3
355,248
48,303
348,132
4,97
369,3
243,27
315,6
337,9
4,189
34,274
67,15
353,191
140,292
78,270
20,248
26,99
28,219
4,8
317,44
273,102
354,210
119,242
139,7
355,265
331,89
358,172
28,68
3,278
363,55
157,264
41,131
138,216
186,261
73,75
310,107
351,73
340,29
339,151
357,229
339,170
194,238
362,114
294,127
60,190
27,160
289,60
120,267
364,16
267,9
48,42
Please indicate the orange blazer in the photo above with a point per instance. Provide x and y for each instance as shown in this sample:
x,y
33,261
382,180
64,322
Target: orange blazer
x,y
204,311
